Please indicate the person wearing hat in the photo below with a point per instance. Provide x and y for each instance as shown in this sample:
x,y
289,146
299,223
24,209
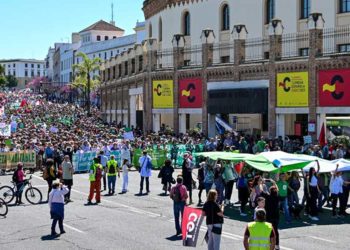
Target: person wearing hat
x,y
259,234
56,204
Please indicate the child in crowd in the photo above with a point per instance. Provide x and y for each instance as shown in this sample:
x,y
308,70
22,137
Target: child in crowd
x,y
261,204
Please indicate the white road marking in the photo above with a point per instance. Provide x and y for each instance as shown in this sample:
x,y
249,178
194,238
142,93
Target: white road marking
x,y
323,239
73,228
154,215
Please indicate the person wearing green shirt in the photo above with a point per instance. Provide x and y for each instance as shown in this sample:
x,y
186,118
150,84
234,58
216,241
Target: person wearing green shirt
x,y
261,145
283,196
229,179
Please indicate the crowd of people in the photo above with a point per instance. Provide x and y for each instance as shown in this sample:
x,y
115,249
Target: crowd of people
x,y
56,131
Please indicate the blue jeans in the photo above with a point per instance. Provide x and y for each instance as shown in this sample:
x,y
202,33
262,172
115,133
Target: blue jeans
x,y
111,183
284,204
178,208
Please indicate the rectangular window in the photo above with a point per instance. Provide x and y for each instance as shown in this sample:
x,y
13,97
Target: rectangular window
x,y
38,66
126,65
32,65
225,59
112,53
344,6
132,66
32,73
14,65
105,55
344,48
119,70
270,10
305,6
14,73
26,73
187,62
26,65
304,52
38,73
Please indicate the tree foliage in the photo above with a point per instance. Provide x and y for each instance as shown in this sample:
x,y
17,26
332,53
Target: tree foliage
x,y
84,79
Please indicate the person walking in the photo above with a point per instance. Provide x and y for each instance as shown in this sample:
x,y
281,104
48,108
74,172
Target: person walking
x,y
187,174
112,170
243,192
95,176
67,176
49,174
200,177
166,173
125,169
145,171
56,204
259,235
313,192
103,161
18,178
214,219
337,193
229,178
179,195
283,196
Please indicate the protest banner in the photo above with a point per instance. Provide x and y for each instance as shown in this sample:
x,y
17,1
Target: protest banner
x,y
128,136
9,160
158,157
83,160
191,223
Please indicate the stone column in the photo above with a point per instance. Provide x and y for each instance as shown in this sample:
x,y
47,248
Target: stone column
x,y
178,57
132,108
156,122
208,39
275,54
150,61
240,35
280,125
182,123
315,51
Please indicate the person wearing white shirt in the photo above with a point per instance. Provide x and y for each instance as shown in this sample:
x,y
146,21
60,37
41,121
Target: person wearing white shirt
x,y
336,188
125,169
56,204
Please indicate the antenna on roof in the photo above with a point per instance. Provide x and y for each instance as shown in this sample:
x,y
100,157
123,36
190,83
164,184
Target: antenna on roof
x,y
112,8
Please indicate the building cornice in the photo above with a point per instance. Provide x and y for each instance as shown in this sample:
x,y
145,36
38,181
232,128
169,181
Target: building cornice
x,y
153,7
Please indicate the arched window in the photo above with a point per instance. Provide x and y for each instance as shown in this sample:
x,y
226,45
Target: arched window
x,y
305,9
187,24
270,11
344,6
225,17
160,30
150,31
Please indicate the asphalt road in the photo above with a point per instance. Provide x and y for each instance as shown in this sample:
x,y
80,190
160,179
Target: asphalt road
x,y
128,221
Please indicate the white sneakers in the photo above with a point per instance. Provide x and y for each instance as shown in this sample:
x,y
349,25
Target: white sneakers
x,y
314,218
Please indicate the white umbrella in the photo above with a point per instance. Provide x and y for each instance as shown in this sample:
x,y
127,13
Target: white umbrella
x,y
344,165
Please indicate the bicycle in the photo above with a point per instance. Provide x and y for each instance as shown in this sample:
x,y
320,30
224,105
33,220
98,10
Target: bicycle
x,y
32,194
3,208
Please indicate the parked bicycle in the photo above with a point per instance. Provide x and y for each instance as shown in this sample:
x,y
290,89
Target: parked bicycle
x,y
32,194
3,208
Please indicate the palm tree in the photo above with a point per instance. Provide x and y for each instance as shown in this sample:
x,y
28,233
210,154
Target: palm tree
x,y
83,71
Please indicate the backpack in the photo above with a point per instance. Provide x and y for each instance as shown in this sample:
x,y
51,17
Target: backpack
x,y
98,173
45,173
177,194
15,176
112,168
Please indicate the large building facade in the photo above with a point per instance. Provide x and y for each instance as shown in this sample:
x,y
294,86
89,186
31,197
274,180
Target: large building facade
x,y
24,69
267,67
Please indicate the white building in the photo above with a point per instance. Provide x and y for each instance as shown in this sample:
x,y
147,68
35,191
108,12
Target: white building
x,y
102,39
166,18
49,63
24,69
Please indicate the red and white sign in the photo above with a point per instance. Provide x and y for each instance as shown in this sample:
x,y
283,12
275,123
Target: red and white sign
x,y
191,223
334,88
190,93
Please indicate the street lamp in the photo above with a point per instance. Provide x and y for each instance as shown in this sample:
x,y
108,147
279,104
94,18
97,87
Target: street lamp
x,y
277,27
208,36
178,40
241,31
318,20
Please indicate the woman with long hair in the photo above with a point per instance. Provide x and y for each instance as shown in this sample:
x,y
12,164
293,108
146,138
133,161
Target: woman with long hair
x,y
313,192
214,219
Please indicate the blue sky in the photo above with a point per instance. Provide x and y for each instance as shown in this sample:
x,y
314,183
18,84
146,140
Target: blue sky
x,y
29,27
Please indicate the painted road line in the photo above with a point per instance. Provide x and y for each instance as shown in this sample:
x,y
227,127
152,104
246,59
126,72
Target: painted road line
x,y
322,239
73,228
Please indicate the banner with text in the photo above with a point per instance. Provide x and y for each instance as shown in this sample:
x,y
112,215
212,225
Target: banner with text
x,y
163,94
83,161
293,89
9,160
191,224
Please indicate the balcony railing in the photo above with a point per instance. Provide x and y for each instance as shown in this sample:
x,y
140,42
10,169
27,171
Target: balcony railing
x,y
336,40
295,45
257,49
223,53
165,59
193,56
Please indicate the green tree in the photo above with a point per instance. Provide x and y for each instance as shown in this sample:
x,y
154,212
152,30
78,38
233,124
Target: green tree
x,y
83,77
2,70
3,80
11,81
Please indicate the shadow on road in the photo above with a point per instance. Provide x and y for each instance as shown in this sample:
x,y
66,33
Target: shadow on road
x,y
50,237
232,212
174,238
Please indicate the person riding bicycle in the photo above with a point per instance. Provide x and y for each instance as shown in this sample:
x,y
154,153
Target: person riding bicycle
x,y
18,178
